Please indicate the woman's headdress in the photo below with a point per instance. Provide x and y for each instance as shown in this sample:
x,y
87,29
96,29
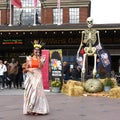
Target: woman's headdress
x,y
38,44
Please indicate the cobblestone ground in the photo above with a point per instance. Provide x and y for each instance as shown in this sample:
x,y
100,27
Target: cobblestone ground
x,y
62,107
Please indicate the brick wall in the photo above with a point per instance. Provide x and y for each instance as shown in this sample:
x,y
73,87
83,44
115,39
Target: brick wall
x,y
84,12
3,17
47,16
66,15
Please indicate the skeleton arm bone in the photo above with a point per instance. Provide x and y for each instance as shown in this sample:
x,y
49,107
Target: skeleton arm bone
x,y
79,50
99,43
81,44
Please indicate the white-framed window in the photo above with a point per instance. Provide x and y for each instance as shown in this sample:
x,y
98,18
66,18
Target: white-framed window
x,y
57,16
25,15
74,15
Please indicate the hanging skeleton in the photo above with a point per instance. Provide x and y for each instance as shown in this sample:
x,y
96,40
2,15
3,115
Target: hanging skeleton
x,y
89,39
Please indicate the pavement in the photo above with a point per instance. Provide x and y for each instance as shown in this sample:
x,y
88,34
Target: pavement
x,y
62,107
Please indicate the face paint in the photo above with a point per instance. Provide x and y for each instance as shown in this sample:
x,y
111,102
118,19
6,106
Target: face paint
x,y
36,51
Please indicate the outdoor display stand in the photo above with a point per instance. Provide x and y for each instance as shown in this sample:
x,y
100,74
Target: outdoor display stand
x,y
56,66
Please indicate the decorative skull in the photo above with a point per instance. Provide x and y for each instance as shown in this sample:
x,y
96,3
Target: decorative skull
x,y
90,22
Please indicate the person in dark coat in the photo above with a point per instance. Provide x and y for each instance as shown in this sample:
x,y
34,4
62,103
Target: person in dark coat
x,y
66,71
19,76
76,73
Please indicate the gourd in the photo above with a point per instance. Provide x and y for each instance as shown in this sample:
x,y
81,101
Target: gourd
x,y
93,86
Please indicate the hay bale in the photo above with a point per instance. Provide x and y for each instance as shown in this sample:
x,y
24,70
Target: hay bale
x,y
74,83
113,79
76,91
65,88
114,92
72,88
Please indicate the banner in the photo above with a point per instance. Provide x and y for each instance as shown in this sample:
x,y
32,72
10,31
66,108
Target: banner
x,y
59,12
56,65
17,3
35,3
105,58
45,70
58,4
80,61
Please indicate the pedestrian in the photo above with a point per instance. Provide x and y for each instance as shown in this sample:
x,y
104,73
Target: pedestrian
x,y
6,74
3,69
35,101
66,71
12,73
24,73
76,73
19,78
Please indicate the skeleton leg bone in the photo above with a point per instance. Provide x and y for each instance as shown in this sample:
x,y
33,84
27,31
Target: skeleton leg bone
x,y
83,68
94,69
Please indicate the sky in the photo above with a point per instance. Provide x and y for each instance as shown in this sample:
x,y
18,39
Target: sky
x,y
105,11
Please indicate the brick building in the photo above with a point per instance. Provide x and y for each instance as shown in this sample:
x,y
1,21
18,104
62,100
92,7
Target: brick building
x,y
59,28
67,6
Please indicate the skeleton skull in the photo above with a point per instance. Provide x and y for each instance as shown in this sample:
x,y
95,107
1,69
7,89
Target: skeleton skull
x,y
89,22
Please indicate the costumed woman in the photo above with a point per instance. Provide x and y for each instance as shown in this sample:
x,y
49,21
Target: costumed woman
x,y
35,101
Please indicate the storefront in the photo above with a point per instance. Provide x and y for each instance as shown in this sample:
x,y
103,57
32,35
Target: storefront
x,y
16,41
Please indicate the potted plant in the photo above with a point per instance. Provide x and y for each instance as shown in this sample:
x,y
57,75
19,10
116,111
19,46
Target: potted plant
x,y
55,85
108,84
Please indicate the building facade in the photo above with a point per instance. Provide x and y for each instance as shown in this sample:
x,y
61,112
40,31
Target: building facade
x,y
59,26
71,12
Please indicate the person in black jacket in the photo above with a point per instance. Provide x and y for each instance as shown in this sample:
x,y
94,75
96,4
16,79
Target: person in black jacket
x,y
66,71
76,73
19,76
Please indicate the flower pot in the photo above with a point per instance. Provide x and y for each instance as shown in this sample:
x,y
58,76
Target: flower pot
x,y
56,89
107,88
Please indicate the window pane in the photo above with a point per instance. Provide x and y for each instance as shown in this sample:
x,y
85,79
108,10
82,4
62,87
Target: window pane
x,y
74,15
25,15
57,16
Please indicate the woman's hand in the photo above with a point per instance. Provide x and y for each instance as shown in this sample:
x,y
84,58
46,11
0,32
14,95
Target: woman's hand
x,y
31,71
43,58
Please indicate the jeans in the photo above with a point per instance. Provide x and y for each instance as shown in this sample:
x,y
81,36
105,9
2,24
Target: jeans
x,y
2,81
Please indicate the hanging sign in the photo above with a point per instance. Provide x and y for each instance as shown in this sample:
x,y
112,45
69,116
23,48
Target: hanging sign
x,y
11,42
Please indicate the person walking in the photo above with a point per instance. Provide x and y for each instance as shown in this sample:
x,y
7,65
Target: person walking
x,y
19,78
3,69
35,101
12,73
6,79
24,73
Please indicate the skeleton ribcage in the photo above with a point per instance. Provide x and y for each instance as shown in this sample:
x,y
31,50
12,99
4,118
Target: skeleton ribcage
x,y
90,37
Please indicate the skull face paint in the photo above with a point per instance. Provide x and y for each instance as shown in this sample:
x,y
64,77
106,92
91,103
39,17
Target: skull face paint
x,y
37,51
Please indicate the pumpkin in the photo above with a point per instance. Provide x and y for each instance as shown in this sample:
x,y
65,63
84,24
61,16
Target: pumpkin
x,y
93,86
